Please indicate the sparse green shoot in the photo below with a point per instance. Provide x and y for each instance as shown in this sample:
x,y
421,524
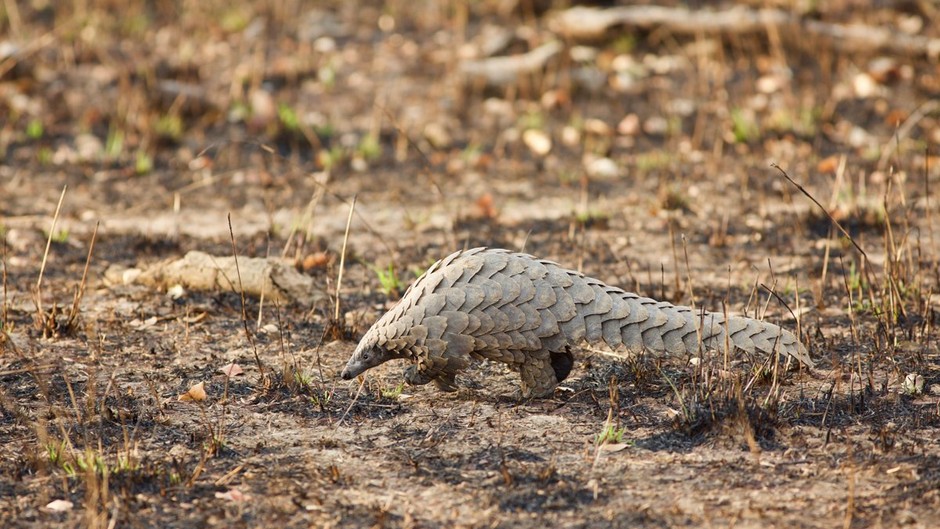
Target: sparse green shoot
x,y
34,129
389,282
610,435
392,393
369,148
744,126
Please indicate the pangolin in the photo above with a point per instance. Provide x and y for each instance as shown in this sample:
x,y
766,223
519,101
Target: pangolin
x,y
527,312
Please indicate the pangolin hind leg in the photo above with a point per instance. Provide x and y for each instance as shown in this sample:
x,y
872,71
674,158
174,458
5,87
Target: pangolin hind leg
x,y
538,377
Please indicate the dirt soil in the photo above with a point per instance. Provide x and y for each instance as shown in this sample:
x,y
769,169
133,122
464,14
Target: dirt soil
x,y
641,156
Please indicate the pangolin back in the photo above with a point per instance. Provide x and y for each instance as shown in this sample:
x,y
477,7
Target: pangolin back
x,y
526,312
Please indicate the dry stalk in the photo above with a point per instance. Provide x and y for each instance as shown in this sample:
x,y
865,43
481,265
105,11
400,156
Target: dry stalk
x,y
4,307
76,301
244,306
37,293
688,272
342,262
675,260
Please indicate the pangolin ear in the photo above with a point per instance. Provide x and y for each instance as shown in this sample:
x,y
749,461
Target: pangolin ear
x,y
373,356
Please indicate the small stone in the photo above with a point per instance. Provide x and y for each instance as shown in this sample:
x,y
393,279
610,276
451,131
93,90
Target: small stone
x,y
130,275
358,164
655,126
263,109
583,53
387,23
602,168
629,125
623,81
555,99
910,24
537,141
88,146
437,136
858,137
864,86
324,45
176,292
769,84
596,126
570,136
623,63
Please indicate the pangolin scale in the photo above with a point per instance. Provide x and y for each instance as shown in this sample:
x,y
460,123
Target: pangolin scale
x,y
524,311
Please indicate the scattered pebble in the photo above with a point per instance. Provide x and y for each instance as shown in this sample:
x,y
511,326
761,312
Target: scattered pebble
x,y
655,126
537,141
555,98
174,292
358,164
601,168
437,136
570,136
263,109
623,81
629,125
596,126
88,146
583,53
864,86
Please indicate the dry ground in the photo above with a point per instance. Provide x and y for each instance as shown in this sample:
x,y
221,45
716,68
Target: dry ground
x,y
163,118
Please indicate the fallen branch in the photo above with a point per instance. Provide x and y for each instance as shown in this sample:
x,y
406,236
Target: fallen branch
x,y
274,277
501,71
590,23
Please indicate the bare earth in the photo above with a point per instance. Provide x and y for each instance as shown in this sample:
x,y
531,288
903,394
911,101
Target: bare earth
x,y
163,122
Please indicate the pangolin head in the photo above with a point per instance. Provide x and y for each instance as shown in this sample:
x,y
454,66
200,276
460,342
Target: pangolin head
x,y
372,351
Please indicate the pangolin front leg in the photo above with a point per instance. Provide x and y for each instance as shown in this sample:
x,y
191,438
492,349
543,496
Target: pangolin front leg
x,y
444,381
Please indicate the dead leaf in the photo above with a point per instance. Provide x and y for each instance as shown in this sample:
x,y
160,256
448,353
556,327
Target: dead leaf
x,y
196,393
233,495
486,208
896,117
315,260
232,370
828,165
143,325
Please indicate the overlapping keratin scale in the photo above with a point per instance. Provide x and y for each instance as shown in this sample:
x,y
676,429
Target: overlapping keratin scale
x,y
515,308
